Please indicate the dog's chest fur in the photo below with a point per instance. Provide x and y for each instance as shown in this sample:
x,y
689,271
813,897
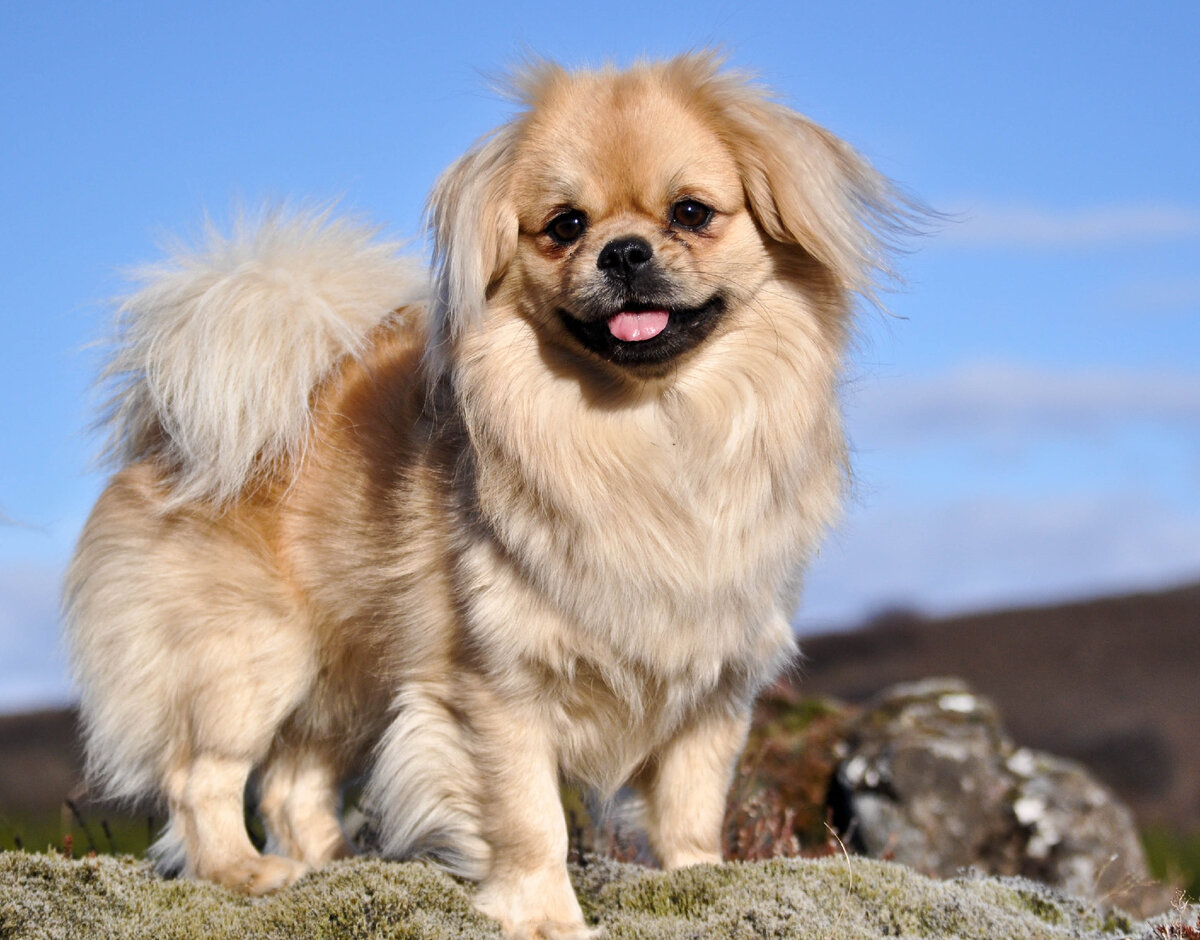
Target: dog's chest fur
x,y
659,537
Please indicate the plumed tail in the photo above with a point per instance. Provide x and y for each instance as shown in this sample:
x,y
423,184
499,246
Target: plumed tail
x,y
220,349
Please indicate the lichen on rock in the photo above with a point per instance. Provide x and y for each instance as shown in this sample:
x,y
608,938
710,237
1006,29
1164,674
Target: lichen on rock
x,y
930,779
45,897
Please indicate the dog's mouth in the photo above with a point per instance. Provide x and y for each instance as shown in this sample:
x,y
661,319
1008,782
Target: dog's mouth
x,y
645,334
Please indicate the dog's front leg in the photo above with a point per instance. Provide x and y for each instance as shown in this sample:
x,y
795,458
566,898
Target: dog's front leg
x,y
527,888
686,786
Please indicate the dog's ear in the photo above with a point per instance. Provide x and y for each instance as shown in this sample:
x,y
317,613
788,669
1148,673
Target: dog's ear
x,y
808,188
474,233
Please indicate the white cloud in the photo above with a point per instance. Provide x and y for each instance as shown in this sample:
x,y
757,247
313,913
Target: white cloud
x,y
986,553
1105,495
1034,227
1170,295
1006,402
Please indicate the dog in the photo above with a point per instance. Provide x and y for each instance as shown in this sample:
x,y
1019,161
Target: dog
x,y
541,514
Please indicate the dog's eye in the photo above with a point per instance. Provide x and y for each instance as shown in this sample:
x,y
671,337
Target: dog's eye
x,y
567,226
690,214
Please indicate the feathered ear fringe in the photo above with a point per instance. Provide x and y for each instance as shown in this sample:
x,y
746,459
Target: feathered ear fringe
x,y
474,229
804,185
471,215
218,353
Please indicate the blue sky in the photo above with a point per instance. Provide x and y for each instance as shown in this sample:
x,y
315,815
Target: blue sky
x,y
1026,420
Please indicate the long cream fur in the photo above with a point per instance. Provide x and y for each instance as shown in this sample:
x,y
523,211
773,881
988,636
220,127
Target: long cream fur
x,y
445,541
219,351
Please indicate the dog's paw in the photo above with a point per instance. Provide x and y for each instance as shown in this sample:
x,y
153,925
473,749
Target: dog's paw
x,y
537,906
551,930
262,874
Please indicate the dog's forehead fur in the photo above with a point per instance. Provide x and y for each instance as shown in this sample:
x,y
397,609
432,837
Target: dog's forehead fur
x,y
607,143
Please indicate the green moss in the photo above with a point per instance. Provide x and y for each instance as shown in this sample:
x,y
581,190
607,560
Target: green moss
x,y
1047,908
681,895
789,716
1117,922
46,897
43,896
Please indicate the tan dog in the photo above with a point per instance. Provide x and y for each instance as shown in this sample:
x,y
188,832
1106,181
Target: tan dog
x,y
548,524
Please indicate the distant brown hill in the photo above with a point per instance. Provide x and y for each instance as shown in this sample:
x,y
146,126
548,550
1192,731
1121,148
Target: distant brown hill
x,y
40,761
1111,682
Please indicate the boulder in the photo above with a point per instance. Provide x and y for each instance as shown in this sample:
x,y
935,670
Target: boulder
x,y
928,778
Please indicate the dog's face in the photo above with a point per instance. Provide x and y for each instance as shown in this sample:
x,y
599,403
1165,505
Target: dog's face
x,y
635,216
635,240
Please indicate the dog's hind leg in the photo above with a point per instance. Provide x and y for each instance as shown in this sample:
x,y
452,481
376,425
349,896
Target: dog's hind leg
x,y
299,803
233,717
191,654
207,814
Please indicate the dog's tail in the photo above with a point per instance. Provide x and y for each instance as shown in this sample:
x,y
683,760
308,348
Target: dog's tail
x,y
220,349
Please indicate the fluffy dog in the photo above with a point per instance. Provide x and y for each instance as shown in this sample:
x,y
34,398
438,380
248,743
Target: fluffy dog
x,y
545,520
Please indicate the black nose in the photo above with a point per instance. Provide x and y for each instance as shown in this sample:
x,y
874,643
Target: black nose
x,y
624,257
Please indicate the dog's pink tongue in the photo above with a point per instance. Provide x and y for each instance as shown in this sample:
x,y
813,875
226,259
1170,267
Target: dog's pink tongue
x,y
631,327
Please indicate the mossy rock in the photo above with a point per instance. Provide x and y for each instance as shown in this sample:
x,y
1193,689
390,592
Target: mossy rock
x,y
114,898
120,898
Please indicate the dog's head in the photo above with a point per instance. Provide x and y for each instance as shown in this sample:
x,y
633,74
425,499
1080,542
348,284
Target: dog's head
x,y
631,215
